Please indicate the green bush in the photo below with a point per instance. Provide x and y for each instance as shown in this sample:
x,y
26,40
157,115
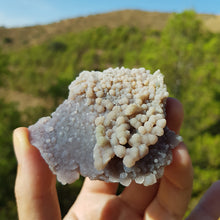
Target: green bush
x,y
9,120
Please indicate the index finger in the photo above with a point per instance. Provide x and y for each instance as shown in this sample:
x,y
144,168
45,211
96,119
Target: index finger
x,y
139,196
175,188
175,114
176,185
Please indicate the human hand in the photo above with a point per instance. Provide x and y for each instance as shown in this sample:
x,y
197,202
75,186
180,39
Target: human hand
x,y
208,206
36,194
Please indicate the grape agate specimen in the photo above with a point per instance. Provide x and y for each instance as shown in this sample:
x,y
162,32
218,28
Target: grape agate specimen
x,y
112,127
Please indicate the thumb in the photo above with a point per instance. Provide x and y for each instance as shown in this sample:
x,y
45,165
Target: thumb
x,y
35,186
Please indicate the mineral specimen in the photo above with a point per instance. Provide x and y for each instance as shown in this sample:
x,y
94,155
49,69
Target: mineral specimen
x,y
112,127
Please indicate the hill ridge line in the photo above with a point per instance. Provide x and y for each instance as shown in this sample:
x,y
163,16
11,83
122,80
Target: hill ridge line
x,y
13,38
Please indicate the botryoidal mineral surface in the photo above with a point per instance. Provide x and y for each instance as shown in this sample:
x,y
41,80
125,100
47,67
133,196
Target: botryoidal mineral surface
x,y
112,127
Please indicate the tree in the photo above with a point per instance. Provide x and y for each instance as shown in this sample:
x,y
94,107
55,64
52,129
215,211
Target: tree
x,y
3,67
9,120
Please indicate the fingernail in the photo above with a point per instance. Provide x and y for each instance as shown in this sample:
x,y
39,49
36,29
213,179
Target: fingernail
x,y
21,143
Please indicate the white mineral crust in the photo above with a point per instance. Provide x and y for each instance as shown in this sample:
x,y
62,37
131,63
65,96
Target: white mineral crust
x,y
112,127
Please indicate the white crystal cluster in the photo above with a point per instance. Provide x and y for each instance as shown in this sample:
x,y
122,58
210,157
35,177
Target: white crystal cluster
x,y
112,127
126,100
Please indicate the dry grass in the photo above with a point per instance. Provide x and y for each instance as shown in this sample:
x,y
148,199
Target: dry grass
x,y
24,100
211,22
33,35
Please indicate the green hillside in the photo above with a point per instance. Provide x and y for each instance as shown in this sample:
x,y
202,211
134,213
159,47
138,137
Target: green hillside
x,y
34,77
16,38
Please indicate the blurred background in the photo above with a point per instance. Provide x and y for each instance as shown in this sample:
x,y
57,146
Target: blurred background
x,y
45,44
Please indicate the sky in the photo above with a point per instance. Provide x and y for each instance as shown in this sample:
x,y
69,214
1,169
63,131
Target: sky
x,y
18,13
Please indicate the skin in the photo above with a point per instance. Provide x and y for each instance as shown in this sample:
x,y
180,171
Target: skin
x,y
208,207
36,196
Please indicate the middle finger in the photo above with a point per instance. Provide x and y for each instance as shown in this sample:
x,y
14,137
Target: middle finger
x,y
139,196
